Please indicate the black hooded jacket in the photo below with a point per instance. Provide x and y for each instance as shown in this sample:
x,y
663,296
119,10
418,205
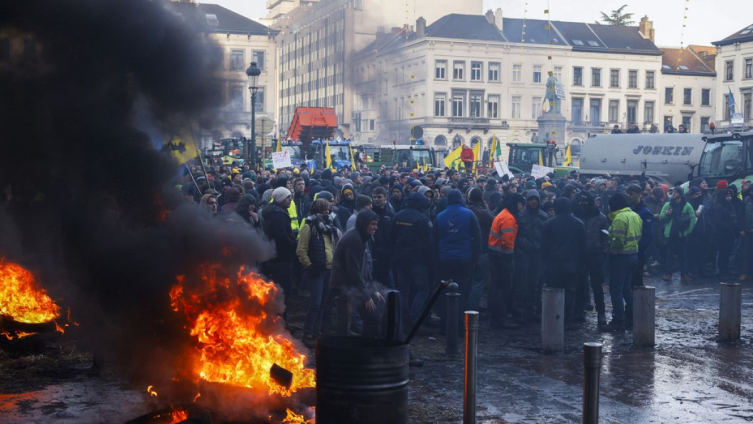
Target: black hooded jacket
x,y
530,225
595,222
411,231
351,263
277,227
564,239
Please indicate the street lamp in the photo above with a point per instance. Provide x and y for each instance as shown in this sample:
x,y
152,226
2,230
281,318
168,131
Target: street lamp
x,y
253,73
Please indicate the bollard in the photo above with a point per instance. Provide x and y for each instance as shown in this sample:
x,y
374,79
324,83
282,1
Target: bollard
x,y
394,317
644,316
730,312
591,375
552,319
471,355
451,319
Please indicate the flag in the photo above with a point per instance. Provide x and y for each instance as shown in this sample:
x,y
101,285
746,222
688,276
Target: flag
x,y
352,158
327,157
568,157
731,103
452,160
181,146
541,158
476,157
278,148
496,150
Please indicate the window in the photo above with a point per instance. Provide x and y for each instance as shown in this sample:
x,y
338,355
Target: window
x,y
669,95
614,111
614,78
686,123
476,70
747,106
236,60
578,42
725,108
577,111
536,73
458,101
632,111
748,70
650,79
258,57
705,96
729,70
595,77
687,96
236,97
372,123
668,122
439,102
595,111
458,70
648,112
515,111
577,75
633,79
516,72
476,100
558,73
494,72
704,123
259,105
535,107
492,110
440,69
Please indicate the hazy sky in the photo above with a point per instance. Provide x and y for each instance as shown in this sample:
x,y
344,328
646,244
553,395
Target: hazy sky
x,y
707,20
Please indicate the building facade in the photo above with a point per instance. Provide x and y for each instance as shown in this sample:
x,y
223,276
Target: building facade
x,y
734,62
689,87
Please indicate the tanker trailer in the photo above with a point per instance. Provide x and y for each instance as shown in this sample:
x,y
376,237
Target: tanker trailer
x,y
668,158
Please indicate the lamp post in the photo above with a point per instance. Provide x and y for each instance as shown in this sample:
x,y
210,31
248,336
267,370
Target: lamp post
x,y
253,73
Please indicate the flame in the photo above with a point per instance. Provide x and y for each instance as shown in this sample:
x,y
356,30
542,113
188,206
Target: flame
x,y
22,299
294,418
179,415
151,391
228,317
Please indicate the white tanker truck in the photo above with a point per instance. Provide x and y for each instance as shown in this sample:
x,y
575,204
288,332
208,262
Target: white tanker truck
x,y
668,158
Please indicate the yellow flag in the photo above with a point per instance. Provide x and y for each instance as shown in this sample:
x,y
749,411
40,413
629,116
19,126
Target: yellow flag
x,y
181,146
327,157
568,157
476,156
278,148
352,158
541,158
451,161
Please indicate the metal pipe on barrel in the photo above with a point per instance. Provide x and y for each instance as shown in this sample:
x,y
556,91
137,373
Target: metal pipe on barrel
x,y
394,319
451,319
730,312
644,316
552,319
471,357
591,376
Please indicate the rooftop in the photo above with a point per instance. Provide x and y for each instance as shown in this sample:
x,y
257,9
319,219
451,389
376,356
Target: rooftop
x,y
742,36
215,18
683,62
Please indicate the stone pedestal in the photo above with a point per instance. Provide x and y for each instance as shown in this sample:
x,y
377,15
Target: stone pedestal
x,y
552,126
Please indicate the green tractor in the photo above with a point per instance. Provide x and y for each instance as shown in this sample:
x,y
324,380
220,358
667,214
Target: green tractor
x,y
524,155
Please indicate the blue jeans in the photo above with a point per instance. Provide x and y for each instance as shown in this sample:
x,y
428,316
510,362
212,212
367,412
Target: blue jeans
x,y
319,290
480,276
412,282
620,288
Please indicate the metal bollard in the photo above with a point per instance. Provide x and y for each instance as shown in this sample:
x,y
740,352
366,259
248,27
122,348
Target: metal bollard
x,y
591,375
471,356
644,316
394,317
451,319
730,312
552,319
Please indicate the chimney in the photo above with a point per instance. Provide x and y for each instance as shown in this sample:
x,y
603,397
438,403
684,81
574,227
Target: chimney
x,y
646,28
498,21
420,27
489,16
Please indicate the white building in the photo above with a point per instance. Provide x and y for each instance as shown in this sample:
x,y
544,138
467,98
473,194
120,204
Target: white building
x,y
734,62
689,87
466,78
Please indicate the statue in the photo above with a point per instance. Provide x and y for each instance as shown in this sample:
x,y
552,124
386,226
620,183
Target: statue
x,y
555,103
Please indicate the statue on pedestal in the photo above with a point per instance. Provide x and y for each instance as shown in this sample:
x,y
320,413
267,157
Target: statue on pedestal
x,y
555,104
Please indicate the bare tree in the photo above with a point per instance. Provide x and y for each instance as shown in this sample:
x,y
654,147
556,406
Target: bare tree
x,y
617,17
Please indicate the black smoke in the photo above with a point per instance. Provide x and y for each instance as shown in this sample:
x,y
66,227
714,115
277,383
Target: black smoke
x,y
87,200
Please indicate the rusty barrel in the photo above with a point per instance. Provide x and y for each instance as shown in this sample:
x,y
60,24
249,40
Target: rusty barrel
x,y
361,381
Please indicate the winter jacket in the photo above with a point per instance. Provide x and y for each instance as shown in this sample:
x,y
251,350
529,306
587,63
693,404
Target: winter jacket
x,y
382,244
456,230
277,228
564,238
503,233
727,220
351,263
748,213
648,225
485,220
315,247
597,236
625,232
410,233
679,210
530,227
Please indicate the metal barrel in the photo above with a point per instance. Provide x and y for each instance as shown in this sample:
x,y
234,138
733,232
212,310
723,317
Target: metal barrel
x,y
451,349
591,376
361,380
471,357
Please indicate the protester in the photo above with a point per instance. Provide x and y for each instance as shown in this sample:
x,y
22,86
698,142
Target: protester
x,y
679,219
501,255
277,228
597,247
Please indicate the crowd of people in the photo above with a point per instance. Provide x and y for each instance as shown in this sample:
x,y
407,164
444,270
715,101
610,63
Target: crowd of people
x,y
349,236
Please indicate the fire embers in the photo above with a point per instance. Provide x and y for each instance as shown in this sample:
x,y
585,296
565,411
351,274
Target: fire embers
x,y
25,307
239,333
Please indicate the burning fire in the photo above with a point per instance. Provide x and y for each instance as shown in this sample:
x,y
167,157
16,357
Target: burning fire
x,y
179,415
229,317
22,299
293,418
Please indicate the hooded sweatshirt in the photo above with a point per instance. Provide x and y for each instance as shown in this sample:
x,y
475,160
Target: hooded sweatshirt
x,y
457,231
597,237
351,263
530,224
410,232
564,239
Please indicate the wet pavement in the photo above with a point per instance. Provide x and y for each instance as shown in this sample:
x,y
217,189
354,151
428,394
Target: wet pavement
x,y
687,377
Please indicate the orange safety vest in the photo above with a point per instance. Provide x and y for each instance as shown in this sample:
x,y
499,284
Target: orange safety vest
x,y
503,233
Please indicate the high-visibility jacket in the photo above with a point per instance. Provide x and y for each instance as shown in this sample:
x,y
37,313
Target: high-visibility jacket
x,y
625,233
503,233
294,224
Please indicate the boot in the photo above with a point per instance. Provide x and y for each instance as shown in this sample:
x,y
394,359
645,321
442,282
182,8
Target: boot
x,y
614,326
601,320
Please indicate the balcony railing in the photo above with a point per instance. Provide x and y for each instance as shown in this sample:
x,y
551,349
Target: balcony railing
x,y
472,121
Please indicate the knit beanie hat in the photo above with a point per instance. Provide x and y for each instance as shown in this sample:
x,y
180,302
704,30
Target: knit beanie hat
x,y
530,184
279,194
721,185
